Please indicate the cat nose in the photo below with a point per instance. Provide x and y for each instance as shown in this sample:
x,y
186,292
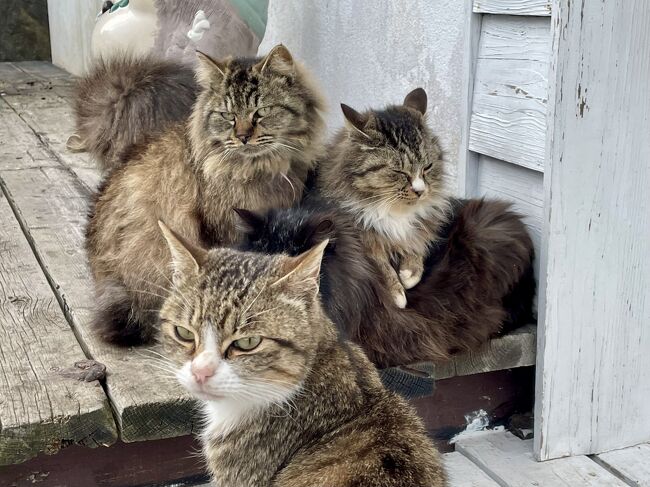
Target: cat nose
x,y
202,371
418,186
244,137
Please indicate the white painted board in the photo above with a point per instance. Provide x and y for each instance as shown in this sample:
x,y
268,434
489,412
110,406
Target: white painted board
x,y
510,461
593,368
461,472
513,7
509,101
631,464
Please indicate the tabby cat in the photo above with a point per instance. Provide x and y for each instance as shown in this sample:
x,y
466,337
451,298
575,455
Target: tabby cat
x,y
287,403
385,168
478,279
250,142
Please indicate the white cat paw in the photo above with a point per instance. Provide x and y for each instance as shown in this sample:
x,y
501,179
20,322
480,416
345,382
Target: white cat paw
x,y
400,299
408,278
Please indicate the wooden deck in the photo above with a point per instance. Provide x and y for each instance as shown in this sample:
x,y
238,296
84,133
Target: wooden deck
x,y
46,295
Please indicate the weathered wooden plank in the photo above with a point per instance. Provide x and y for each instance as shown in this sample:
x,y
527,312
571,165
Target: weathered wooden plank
x,y
31,76
509,104
593,363
510,462
522,186
462,472
17,148
513,7
52,205
631,464
50,117
516,349
40,409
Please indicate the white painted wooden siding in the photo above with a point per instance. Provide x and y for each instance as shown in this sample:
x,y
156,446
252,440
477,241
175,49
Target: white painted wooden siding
x,y
508,119
593,383
71,26
513,7
525,188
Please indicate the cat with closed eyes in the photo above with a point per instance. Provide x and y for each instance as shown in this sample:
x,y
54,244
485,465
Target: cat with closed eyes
x,y
287,402
474,257
251,139
385,169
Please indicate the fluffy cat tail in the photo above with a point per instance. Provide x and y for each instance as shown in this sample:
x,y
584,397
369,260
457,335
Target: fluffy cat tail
x,y
124,100
117,320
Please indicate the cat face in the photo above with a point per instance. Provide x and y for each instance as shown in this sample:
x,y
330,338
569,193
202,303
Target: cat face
x,y
239,326
393,164
256,107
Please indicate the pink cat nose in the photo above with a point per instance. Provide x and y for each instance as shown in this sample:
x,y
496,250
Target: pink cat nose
x,y
202,372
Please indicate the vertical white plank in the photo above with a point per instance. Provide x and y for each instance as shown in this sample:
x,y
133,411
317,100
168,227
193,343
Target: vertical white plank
x,y
468,160
593,383
71,26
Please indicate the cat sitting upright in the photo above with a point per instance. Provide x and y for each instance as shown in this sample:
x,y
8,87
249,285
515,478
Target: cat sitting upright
x,y
386,171
287,402
253,136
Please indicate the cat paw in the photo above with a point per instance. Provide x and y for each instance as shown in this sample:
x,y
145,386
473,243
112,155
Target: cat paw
x,y
400,299
409,278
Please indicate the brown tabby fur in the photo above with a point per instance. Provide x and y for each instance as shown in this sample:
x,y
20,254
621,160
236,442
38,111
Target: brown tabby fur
x,y
125,100
302,408
385,168
193,174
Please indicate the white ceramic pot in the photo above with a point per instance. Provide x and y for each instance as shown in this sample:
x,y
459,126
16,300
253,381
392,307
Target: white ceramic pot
x,y
131,29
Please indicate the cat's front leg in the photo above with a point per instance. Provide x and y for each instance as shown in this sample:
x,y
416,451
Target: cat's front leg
x,y
393,282
411,267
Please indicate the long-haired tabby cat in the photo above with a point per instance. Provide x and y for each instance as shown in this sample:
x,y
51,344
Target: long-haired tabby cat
x,y
287,403
385,169
251,140
478,280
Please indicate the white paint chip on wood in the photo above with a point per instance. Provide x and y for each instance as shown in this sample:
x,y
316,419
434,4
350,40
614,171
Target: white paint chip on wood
x,y
593,367
509,102
510,462
461,472
631,464
513,7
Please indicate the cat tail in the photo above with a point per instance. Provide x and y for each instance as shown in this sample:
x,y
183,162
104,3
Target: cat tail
x,y
125,100
404,337
117,318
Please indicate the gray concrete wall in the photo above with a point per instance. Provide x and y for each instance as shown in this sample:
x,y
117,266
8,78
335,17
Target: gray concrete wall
x,y
372,52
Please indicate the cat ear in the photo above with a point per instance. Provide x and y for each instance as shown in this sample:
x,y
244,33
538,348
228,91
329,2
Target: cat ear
x,y
302,272
208,70
278,59
355,119
247,221
417,100
187,258
324,230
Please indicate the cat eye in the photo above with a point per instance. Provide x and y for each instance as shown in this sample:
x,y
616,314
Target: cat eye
x,y
248,343
428,168
227,116
261,112
183,334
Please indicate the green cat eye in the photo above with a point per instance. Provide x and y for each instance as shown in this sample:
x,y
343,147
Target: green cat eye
x,y
263,111
248,343
227,116
184,334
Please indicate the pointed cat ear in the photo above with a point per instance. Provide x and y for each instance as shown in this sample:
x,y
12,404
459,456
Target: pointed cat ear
x,y
208,70
302,272
355,119
278,59
247,221
417,100
187,258
323,230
